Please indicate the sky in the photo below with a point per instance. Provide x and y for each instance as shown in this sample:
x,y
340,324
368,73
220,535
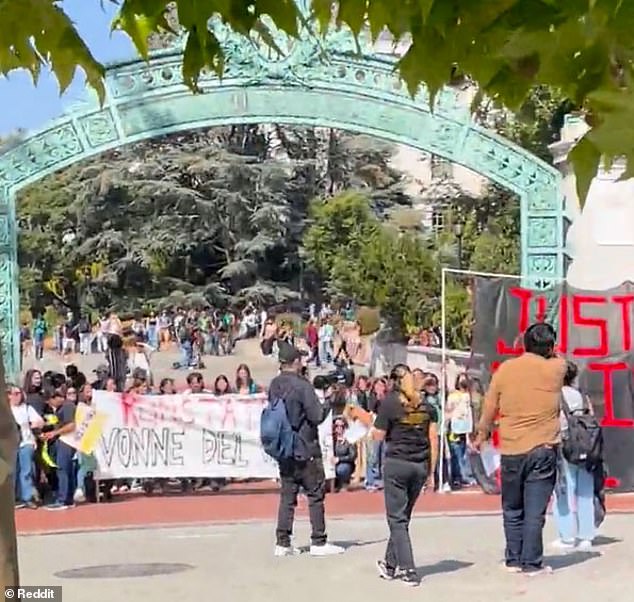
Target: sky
x,y
29,107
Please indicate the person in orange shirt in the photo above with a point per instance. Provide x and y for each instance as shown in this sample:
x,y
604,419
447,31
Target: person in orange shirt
x,y
525,391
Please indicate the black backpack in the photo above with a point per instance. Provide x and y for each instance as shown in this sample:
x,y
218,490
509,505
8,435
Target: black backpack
x,y
582,442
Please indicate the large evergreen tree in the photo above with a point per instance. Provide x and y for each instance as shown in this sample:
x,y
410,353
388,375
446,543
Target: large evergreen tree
x,y
210,216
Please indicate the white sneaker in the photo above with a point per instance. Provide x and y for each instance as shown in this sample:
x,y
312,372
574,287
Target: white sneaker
x,y
79,496
559,544
281,551
326,549
585,545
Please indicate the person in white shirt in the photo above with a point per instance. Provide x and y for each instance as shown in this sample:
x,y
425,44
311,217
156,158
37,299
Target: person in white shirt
x,y
139,357
326,336
251,322
26,419
102,335
573,509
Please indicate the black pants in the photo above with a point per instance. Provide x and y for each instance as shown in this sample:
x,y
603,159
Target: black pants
x,y
528,481
403,482
310,477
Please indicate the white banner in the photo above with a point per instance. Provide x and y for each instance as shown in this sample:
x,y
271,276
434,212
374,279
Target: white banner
x,y
169,436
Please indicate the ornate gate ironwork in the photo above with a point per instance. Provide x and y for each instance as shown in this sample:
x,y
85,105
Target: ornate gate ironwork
x,y
328,83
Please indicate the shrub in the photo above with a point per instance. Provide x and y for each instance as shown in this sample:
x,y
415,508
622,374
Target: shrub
x,y
370,320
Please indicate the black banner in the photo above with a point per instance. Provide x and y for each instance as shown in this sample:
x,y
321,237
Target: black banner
x,y
594,331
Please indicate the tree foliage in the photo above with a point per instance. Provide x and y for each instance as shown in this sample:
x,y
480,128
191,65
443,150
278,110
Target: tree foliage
x,y
582,48
361,258
209,216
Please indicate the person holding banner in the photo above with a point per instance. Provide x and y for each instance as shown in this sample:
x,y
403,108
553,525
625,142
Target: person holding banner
x,y
305,469
525,393
409,426
61,452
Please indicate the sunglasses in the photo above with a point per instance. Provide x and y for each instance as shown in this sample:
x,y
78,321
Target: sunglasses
x,y
15,392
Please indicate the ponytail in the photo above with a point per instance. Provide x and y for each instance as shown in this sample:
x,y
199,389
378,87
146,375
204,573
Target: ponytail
x,y
403,383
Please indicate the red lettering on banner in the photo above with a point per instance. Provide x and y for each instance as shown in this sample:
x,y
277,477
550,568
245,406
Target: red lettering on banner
x,y
562,346
609,419
603,349
129,415
525,297
542,308
626,327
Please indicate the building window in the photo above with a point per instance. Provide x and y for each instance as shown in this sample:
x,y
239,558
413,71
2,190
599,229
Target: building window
x,y
437,221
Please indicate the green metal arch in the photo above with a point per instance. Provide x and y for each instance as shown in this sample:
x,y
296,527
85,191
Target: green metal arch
x,y
348,90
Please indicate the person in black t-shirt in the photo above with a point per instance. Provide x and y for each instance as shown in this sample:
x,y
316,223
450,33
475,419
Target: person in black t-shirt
x,y
409,427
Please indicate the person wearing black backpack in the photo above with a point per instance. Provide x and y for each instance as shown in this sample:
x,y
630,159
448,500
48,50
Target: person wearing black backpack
x,y
290,435
581,457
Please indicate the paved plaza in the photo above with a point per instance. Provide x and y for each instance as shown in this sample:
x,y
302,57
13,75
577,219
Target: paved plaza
x,y
457,557
248,352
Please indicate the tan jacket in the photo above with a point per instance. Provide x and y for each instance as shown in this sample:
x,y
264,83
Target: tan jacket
x,y
525,393
9,575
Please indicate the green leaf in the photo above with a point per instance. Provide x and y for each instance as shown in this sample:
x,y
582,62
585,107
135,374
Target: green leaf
x,y
137,27
585,158
352,13
284,14
322,11
379,16
267,37
426,7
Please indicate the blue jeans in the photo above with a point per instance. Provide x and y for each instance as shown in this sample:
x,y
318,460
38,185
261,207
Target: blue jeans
x,y
343,472
186,354
574,510
212,344
85,466
65,473
38,344
528,481
374,465
325,351
459,464
24,489
152,337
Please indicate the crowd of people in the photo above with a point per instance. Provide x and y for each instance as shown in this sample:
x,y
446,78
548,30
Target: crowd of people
x,y
327,333
51,472
531,401
197,332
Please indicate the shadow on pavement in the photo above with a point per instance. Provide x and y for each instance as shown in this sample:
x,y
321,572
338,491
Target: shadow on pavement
x,y
441,567
564,561
346,544
604,540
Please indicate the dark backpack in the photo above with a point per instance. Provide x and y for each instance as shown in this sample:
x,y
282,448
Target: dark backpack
x,y
582,442
276,433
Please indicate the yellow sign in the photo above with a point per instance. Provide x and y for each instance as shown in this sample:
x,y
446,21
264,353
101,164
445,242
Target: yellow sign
x,y
88,427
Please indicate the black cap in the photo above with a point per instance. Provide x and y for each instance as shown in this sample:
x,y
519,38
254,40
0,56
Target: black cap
x,y
287,354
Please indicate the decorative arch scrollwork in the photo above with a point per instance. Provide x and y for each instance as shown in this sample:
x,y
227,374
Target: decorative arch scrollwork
x,y
325,82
